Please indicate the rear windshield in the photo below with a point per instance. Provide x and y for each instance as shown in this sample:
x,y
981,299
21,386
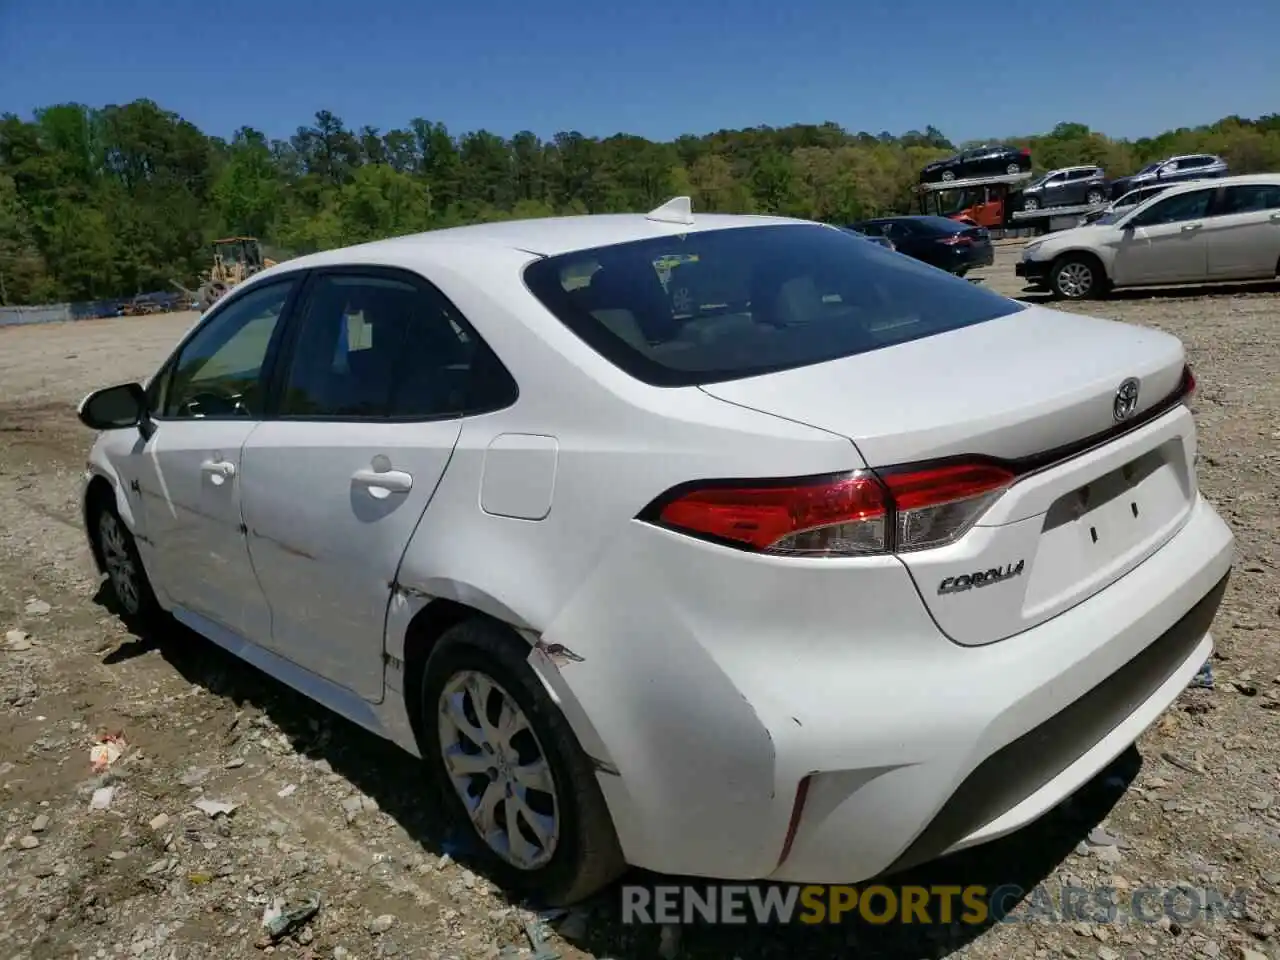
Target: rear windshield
x,y
725,304
943,225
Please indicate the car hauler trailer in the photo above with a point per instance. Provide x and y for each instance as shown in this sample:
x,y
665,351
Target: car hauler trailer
x,y
985,201
1053,219
982,200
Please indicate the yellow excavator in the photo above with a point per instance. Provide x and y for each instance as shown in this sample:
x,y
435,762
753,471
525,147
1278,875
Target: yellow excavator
x,y
235,260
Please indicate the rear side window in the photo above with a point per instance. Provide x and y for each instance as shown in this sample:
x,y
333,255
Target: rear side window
x,y
1250,198
378,347
751,300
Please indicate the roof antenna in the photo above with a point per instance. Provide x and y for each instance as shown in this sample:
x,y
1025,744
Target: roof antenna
x,y
676,210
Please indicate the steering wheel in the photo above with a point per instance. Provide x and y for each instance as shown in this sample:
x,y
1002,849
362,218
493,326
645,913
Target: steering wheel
x,y
212,402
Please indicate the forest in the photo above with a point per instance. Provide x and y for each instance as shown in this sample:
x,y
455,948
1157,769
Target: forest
x,y
107,202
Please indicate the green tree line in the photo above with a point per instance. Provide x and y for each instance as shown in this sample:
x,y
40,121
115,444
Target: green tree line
x,y
110,202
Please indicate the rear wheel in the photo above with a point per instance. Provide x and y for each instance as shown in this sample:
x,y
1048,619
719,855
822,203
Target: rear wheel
x,y
510,769
948,175
1076,278
1094,196
1013,169
1031,203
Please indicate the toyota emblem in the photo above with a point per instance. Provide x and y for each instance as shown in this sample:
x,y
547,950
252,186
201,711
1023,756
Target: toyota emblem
x,y
1126,402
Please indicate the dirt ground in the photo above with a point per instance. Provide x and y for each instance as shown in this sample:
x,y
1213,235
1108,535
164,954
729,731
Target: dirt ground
x,y
323,808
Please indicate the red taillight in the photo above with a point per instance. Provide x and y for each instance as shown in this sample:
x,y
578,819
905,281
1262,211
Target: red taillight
x,y
936,506
958,240
1026,152
855,514
799,516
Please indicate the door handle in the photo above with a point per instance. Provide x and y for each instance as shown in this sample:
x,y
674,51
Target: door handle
x,y
383,483
1191,227
219,471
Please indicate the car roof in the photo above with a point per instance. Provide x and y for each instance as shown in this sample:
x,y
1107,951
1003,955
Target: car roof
x,y
1215,182
543,236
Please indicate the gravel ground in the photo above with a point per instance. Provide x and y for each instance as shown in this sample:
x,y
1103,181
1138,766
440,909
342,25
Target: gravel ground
x,y
124,863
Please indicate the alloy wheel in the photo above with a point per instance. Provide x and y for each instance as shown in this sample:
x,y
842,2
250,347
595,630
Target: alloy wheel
x,y
1075,280
117,558
499,770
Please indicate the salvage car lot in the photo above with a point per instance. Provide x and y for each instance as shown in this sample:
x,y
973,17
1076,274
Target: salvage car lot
x,y
161,878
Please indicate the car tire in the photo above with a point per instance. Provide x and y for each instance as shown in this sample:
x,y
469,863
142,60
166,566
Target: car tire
x,y
1076,278
948,175
1093,196
580,854
1013,169
1030,203
117,551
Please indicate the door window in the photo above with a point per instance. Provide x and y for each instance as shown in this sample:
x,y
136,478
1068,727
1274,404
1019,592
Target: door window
x,y
1175,209
218,372
1250,198
376,347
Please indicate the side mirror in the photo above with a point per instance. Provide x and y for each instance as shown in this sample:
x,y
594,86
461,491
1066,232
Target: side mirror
x,y
111,408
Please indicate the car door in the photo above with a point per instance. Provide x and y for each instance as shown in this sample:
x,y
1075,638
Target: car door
x,y
206,402
1242,236
1051,193
1163,242
377,375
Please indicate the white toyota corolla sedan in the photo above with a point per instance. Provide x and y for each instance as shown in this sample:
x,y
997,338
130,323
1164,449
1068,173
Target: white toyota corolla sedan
x,y
718,545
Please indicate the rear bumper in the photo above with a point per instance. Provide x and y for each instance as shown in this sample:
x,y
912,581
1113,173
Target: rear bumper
x,y
1033,271
708,709
1051,707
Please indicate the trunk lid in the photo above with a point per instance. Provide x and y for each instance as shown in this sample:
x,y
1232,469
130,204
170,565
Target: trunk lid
x,y
1038,388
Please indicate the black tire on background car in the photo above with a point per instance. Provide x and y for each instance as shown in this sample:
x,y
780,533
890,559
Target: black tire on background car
x,y
948,175
1030,203
1093,196
1077,277
117,551
535,774
1013,169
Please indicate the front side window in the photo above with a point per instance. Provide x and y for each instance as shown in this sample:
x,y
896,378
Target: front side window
x,y
218,372
371,347
755,300
1175,209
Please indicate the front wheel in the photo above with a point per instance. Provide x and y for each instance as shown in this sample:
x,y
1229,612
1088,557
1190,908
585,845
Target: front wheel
x,y
1094,196
1076,278
948,175
118,552
1031,203
511,770
1013,169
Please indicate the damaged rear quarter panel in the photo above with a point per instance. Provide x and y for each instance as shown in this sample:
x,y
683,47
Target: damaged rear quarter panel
x,y
689,750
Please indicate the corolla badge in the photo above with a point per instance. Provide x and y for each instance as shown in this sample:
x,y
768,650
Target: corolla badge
x,y
1126,401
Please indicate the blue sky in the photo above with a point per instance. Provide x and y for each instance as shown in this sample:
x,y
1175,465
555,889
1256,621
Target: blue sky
x,y
1127,67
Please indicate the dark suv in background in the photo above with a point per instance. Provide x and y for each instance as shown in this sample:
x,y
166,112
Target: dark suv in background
x,y
979,162
1066,187
1192,166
